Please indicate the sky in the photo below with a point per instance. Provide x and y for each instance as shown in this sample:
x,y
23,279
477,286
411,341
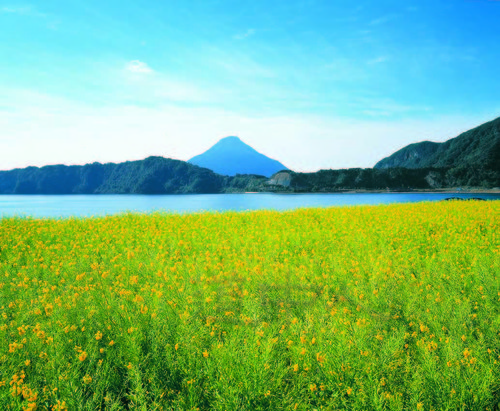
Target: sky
x,y
315,84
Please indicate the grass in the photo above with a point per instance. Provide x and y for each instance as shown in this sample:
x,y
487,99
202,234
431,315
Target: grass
x,y
393,307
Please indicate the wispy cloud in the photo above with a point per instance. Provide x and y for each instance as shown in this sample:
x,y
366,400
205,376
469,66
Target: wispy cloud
x,y
378,60
385,107
16,10
236,63
137,66
241,36
51,21
22,10
382,20
140,84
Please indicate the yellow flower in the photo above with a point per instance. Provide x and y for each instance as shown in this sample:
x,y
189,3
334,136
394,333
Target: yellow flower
x,y
98,335
60,406
296,367
31,407
111,342
129,366
87,379
313,387
83,356
205,354
48,309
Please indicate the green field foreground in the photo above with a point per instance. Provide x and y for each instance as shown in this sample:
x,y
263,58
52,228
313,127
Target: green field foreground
x,y
393,307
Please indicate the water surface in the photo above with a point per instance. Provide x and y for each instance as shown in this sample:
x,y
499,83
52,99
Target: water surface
x,y
94,205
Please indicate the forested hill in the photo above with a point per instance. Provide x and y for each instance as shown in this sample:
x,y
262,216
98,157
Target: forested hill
x,y
478,148
392,179
158,175
154,175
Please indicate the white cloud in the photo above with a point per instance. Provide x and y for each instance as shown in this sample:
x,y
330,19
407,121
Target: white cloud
x,y
377,106
237,64
241,36
378,60
39,129
156,89
22,10
382,19
16,10
136,66
143,85
51,21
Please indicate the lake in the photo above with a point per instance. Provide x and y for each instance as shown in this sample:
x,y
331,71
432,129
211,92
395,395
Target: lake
x,y
93,205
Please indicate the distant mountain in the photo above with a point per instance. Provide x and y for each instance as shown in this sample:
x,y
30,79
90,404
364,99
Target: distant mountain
x,y
154,175
231,156
158,175
479,148
470,160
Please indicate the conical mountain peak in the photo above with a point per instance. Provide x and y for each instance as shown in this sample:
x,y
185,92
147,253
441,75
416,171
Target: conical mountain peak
x,y
230,138
231,156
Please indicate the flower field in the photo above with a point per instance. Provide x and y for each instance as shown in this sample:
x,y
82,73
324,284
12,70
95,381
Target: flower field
x,y
392,307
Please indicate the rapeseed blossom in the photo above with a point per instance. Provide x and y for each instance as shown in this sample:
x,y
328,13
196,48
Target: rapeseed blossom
x,y
280,308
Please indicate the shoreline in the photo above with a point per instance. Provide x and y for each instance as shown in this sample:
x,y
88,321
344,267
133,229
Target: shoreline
x,y
344,191
362,191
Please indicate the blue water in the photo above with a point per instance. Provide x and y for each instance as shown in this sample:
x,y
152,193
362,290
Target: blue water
x,y
93,205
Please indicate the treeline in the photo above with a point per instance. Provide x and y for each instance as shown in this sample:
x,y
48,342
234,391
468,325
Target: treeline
x,y
394,179
154,175
478,147
158,175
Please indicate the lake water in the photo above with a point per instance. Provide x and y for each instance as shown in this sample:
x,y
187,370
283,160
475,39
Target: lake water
x,y
93,205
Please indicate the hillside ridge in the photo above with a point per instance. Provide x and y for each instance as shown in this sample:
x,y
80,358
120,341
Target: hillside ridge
x,y
478,147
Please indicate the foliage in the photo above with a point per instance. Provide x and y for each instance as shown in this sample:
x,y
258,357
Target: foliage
x,y
476,148
391,179
374,307
154,175
244,182
471,160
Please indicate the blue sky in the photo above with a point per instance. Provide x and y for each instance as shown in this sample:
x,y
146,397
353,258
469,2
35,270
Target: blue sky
x,y
312,83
